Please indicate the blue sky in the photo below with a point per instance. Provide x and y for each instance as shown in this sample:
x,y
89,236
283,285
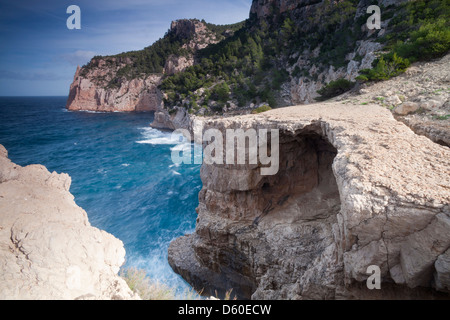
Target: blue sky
x,y
39,55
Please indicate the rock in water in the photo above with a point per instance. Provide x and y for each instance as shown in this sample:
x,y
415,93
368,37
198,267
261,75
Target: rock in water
x,y
48,249
356,189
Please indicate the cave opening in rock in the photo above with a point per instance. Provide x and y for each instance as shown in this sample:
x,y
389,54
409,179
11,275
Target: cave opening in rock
x,y
292,213
305,186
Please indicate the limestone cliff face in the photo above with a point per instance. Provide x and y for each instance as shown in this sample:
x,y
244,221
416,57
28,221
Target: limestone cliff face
x,y
48,249
302,87
303,90
90,92
98,87
352,191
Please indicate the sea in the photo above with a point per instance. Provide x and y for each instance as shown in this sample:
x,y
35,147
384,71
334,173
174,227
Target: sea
x,y
122,174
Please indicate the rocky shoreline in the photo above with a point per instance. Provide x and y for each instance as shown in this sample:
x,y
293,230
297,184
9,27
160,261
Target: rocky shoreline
x,y
48,249
353,191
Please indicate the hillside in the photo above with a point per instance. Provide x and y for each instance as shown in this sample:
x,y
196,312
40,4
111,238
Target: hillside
x,y
284,54
130,81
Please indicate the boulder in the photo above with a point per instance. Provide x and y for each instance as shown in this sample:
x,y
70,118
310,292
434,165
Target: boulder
x,y
407,108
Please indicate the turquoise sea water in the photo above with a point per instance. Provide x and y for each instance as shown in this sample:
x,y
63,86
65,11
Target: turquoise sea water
x,y
121,169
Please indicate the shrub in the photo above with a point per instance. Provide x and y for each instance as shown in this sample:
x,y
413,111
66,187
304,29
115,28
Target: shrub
x,y
432,40
387,67
221,92
139,283
297,72
262,109
446,117
334,89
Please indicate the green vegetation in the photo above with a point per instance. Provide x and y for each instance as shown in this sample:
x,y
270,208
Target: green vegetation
x,y
446,117
334,89
140,283
221,92
152,59
251,63
419,31
385,69
262,109
144,62
219,30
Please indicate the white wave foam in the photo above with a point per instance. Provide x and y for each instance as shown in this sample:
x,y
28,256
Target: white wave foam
x,y
184,146
157,268
89,111
156,137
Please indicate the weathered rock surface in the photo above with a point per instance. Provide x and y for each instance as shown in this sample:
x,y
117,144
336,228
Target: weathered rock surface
x,y
181,119
48,249
303,90
356,188
420,98
89,94
406,108
91,89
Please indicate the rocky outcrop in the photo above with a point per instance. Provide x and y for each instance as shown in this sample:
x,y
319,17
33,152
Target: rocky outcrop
x,y
303,90
48,249
90,92
180,119
196,31
176,64
355,189
98,87
419,98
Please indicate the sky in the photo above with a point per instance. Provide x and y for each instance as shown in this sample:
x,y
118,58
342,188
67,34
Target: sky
x,y
39,54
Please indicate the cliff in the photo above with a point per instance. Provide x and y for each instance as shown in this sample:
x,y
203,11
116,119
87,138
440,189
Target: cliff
x,y
88,94
283,55
356,188
129,81
288,51
48,249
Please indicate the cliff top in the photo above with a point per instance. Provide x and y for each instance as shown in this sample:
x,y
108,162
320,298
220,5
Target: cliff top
x,y
370,141
355,189
48,249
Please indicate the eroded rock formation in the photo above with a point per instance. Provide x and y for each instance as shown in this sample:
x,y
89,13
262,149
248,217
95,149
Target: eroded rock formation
x,y
97,87
353,191
91,92
48,249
